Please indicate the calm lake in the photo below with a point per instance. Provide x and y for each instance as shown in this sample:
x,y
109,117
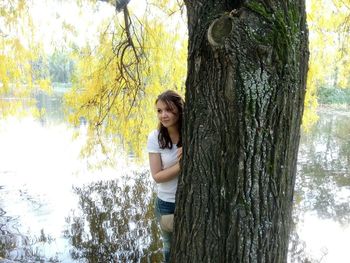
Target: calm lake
x,y
54,209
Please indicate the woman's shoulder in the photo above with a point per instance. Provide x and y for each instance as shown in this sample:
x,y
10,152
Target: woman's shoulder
x,y
152,143
153,134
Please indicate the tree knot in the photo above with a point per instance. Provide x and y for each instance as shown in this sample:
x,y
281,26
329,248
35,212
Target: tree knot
x,y
221,27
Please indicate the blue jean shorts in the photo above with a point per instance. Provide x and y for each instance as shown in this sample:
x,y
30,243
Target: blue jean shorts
x,y
165,208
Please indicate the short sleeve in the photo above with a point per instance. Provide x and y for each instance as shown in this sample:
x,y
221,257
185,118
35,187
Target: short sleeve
x,y
152,143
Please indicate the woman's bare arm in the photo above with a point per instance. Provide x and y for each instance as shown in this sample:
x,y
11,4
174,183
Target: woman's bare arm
x,y
159,175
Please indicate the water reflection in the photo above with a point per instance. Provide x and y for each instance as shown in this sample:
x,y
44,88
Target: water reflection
x,y
322,209
115,222
18,247
52,209
49,106
324,160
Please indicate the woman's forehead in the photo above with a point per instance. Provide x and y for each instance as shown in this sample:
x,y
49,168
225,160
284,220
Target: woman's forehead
x,y
166,104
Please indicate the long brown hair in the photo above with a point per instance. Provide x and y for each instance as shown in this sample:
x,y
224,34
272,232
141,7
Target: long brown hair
x,y
172,100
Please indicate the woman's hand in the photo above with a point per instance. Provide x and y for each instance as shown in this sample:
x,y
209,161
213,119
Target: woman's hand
x,y
179,154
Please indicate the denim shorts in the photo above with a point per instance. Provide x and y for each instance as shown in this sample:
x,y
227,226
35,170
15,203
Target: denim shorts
x,y
165,208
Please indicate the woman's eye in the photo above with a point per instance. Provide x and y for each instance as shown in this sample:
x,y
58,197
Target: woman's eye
x,y
159,111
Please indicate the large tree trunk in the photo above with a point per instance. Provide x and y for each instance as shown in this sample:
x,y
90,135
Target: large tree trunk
x,y
244,103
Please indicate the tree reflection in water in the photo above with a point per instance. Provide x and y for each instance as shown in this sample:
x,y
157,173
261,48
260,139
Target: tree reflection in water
x,y
323,180
17,247
115,222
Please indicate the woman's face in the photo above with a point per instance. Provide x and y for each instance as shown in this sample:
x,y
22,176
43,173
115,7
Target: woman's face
x,y
167,116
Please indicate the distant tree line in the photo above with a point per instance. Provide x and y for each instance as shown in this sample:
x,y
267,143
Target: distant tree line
x,y
333,95
58,67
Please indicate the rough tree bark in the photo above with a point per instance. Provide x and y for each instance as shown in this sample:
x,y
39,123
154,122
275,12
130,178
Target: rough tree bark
x,y
244,103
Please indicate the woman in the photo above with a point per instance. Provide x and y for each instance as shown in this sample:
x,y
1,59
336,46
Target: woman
x,y
165,150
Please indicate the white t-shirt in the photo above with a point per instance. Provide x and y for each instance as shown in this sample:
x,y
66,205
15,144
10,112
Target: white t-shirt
x,y
166,190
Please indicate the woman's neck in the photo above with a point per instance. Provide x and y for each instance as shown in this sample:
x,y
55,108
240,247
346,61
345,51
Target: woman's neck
x,y
174,134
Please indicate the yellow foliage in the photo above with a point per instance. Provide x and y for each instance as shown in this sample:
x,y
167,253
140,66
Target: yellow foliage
x,y
120,104
45,85
17,51
117,102
168,7
310,116
328,23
